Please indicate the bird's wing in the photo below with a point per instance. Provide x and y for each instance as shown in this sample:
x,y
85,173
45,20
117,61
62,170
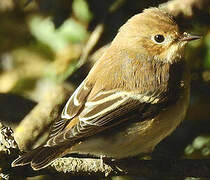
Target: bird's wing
x,y
104,110
71,109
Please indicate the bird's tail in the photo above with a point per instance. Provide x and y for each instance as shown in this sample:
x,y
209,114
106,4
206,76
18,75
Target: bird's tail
x,y
39,158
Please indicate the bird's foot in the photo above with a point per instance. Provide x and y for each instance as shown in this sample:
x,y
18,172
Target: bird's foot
x,y
106,160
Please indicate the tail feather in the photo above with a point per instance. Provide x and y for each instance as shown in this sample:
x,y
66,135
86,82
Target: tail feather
x,y
45,158
25,158
39,158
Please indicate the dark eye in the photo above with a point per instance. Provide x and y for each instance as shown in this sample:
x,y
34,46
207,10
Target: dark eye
x,y
159,38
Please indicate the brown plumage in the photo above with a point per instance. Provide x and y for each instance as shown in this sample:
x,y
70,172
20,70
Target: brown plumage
x,y
135,95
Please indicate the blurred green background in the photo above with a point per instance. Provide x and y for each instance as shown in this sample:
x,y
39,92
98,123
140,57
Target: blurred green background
x,y
44,42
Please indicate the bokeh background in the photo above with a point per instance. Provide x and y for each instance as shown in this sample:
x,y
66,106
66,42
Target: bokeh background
x,y
47,48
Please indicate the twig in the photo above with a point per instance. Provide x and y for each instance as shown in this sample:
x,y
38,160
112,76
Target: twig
x,y
186,8
38,121
99,167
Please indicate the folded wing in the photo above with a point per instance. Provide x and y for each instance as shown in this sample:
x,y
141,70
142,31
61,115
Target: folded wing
x,y
104,110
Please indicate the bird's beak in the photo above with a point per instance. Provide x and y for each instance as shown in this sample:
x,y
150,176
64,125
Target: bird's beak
x,y
189,37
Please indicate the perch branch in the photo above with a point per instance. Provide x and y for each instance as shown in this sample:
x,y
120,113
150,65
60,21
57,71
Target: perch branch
x,y
98,167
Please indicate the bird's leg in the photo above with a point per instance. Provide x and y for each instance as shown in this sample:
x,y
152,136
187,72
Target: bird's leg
x,y
106,160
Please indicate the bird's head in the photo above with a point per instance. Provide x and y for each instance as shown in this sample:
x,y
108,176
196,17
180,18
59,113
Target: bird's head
x,y
153,34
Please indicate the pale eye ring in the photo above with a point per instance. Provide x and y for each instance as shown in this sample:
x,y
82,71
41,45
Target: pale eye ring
x,y
159,38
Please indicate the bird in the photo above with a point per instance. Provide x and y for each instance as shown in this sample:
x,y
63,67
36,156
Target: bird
x,y
134,96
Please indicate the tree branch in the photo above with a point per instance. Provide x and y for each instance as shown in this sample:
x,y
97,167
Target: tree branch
x,y
39,120
186,8
99,167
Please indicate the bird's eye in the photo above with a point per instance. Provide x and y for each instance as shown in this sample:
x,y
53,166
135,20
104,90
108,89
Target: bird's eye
x,y
159,38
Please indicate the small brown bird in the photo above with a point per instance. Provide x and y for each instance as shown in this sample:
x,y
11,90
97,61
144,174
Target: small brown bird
x,y
136,94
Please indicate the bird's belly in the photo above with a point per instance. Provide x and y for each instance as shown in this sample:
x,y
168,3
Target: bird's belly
x,y
137,138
